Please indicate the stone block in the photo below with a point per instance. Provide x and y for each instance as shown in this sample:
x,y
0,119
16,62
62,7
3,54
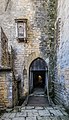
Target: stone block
x,y
21,114
64,118
43,118
55,118
6,116
30,107
12,115
44,113
39,108
31,118
56,112
23,108
19,118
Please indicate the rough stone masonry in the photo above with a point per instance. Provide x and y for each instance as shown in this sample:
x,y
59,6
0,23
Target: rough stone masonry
x,y
24,53
40,39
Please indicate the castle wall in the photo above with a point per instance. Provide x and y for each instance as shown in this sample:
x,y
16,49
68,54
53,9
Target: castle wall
x,y
6,99
6,83
36,14
62,77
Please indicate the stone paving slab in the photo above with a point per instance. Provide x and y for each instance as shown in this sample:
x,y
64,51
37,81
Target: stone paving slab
x,y
37,113
21,114
12,115
32,114
30,118
23,108
19,118
39,108
5,119
43,118
56,112
29,107
49,108
56,118
63,112
6,116
31,110
64,118
44,113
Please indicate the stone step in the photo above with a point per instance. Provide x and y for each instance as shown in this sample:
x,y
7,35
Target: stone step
x,y
38,101
38,98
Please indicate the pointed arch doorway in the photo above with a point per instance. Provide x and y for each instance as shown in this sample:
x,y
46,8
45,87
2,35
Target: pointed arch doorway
x,y
38,74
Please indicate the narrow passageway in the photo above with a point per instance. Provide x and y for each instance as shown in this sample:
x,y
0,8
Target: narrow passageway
x,y
36,106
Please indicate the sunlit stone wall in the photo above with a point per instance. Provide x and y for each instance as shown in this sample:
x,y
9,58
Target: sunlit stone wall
x,y
62,78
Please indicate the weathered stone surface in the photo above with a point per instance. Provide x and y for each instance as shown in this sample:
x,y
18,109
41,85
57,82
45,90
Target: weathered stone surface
x,y
23,108
38,108
12,115
34,110
56,112
43,118
49,108
9,110
62,64
55,118
33,114
21,114
64,112
6,115
24,53
6,88
30,107
44,113
64,118
6,119
31,118
19,118
41,16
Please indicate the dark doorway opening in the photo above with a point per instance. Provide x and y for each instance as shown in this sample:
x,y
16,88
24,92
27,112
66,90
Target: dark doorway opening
x,y
37,74
38,79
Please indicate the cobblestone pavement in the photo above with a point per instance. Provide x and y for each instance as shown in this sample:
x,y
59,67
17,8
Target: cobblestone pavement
x,y
36,113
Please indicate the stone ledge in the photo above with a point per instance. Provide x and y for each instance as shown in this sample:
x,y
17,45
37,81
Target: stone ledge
x,y
2,68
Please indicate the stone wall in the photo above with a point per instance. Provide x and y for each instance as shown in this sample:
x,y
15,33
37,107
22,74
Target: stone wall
x,y
40,15
51,17
5,88
0,46
5,56
62,64
36,14
6,99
